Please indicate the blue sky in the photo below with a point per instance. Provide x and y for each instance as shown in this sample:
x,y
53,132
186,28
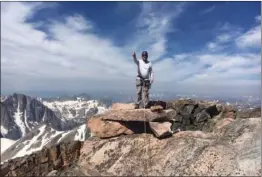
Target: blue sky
x,y
195,47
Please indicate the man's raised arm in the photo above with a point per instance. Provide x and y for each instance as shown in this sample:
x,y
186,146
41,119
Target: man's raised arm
x,y
134,58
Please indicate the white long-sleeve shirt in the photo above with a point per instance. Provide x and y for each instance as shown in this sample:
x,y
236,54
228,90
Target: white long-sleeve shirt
x,y
144,69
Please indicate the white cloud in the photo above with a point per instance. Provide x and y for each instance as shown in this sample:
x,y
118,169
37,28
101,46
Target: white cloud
x,y
258,18
224,37
224,78
252,38
206,72
154,22
182,56
212,45
78,23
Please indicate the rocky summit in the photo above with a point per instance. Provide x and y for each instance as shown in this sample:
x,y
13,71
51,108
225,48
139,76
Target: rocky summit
x,y
176,138
161,119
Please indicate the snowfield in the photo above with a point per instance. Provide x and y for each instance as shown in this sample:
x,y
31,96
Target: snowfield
x,y
74,108
18,120
3,130
42,136
6,143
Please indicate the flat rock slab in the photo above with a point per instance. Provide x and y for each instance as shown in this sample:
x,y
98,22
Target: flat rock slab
x,y
161,129
123,122
106,129
134,115
123,106
129,106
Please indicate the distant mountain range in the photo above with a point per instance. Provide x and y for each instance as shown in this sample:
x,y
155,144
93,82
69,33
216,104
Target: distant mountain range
x,y
82,96
107,98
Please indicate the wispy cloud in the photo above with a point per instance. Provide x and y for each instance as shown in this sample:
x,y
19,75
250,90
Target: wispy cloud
x,y
212,46
258,18
153,24
250,39
225,36
208,10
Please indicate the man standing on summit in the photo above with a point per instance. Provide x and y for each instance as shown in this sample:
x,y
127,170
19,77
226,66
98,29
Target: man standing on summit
x,y
144,79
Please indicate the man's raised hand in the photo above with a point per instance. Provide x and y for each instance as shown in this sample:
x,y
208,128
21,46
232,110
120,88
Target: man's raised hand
x,y
134,58
134,55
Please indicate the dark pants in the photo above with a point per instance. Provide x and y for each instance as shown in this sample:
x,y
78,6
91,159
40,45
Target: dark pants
x,y
142,86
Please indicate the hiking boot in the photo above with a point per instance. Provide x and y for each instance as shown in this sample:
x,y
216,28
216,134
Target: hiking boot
x,y
136,106
147,106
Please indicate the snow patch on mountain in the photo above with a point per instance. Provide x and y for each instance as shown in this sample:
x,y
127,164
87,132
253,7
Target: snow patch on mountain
x,y
43,136
3,130
72,109
81,132
6,143
63,135
26,149
18,120
26,123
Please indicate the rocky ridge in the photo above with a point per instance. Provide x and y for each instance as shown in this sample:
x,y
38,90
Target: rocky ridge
x,y
215,140
41,163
